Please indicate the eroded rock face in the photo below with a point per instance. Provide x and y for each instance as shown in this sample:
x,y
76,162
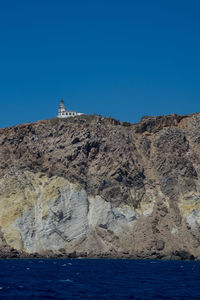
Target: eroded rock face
x,y
101,187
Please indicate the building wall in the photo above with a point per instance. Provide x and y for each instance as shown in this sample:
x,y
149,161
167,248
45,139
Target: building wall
x,y
67,114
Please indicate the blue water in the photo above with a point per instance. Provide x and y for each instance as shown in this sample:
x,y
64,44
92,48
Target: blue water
x,y
99,279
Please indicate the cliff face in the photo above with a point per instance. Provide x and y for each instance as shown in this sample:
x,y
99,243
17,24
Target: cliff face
x,y
101,187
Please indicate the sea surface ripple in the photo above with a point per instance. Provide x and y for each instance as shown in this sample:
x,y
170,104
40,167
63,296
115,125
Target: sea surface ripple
x,y
99,279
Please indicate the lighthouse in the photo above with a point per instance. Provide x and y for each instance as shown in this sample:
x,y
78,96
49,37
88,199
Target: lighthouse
x,y
63,113
62,108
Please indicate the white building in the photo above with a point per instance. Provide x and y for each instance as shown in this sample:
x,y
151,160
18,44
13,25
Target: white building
x,y
63,113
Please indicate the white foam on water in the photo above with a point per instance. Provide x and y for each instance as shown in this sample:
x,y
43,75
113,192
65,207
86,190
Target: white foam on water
x,y
65,280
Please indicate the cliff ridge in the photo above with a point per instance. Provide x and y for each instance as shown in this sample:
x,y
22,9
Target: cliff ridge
x,y
98,187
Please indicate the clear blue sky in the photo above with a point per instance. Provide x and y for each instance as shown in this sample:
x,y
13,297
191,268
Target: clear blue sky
x,y
120,58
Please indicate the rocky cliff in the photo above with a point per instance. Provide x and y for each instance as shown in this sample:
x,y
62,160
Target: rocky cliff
x,y
93,186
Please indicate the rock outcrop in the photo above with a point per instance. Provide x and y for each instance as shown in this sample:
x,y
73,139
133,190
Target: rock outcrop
x,y
97,187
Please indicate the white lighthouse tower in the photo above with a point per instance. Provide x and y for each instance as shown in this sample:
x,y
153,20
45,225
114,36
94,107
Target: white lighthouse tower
x,y
63,113
62,108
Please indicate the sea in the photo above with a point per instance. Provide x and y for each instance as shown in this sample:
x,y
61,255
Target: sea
x,y
99,279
